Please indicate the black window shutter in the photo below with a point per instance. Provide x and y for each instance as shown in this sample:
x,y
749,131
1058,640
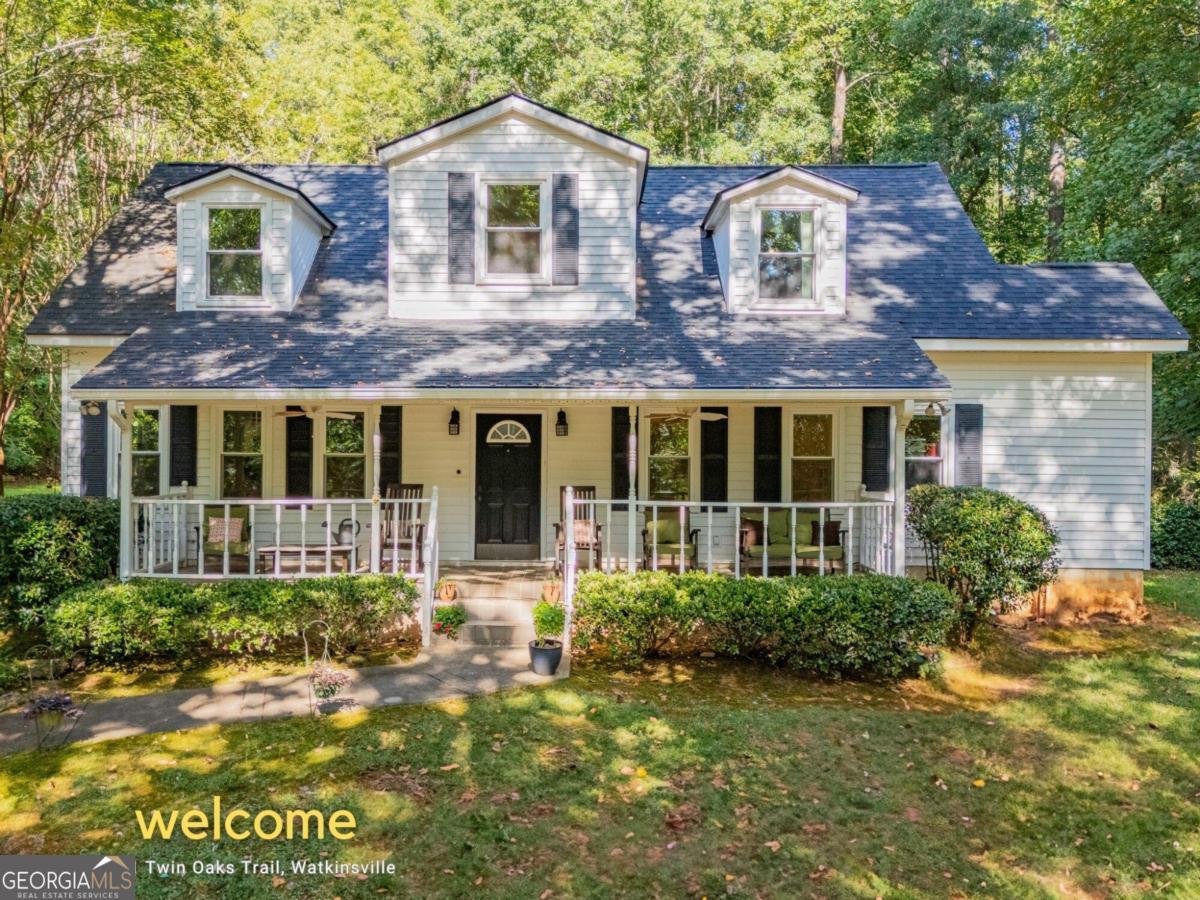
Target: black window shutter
x,y
714,457
968,444
565,224
876,447
768,454
183,445
461,213
299,449
93,454
391,430
620,455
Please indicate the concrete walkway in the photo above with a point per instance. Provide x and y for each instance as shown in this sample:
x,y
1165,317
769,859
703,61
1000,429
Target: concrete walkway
x,y
443,673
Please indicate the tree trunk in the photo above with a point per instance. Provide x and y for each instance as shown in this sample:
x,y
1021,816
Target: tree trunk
x,y
837,124
1055,209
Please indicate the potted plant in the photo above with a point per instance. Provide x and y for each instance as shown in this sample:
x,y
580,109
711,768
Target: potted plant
x,y
328,682
447,591
545,650
447,620
552,590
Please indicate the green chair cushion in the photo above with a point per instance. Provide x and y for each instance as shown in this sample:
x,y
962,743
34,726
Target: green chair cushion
x,y
236,548
811,551
663,531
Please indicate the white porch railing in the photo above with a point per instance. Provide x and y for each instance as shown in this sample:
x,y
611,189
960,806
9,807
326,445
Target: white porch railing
x,y
192,539
735,538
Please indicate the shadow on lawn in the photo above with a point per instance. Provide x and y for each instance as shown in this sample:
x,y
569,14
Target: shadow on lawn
x,y
713,776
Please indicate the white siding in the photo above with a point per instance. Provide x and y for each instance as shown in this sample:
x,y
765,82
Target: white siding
x,y
305,239
1068,432
289,245
77,363
829,229
418,280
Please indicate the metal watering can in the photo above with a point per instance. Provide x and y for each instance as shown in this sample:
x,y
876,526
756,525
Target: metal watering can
x,y
347,531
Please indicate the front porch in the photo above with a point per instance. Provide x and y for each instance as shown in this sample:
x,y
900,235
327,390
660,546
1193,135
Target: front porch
x,y
291,489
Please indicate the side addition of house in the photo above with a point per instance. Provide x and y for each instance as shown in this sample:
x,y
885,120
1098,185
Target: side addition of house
x,y
513,338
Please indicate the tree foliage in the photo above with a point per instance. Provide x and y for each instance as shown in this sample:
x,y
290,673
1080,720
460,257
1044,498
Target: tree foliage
x,y
1002,93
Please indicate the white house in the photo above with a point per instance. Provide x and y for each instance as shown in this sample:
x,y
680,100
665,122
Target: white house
x,y
277,368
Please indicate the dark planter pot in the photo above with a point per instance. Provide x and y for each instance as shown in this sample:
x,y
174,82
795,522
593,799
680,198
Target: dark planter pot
x,y
545,659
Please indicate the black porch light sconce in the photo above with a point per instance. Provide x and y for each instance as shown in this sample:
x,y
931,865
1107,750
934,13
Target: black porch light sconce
x,y
454,422
560,424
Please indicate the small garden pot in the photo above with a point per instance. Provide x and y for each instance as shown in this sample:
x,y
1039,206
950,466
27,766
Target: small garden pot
x,y
552,591
545,659
448,591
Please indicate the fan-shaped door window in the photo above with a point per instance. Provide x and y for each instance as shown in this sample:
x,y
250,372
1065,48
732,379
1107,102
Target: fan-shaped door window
x,y
508,431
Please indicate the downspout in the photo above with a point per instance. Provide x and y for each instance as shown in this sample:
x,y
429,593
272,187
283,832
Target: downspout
x,y
903,413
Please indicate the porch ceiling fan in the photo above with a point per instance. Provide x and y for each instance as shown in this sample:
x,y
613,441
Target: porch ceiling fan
x,y
310,411
696,412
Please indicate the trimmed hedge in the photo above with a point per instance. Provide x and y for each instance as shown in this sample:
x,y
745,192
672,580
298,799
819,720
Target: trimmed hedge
x,y
833,625
991,549
50,543
1175,535
156,619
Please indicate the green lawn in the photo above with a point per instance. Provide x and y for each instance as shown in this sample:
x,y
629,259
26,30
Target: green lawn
x,y
19,488
1053,762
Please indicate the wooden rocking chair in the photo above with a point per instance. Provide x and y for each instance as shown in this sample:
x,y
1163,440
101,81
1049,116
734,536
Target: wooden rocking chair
x,y
585,530
403,532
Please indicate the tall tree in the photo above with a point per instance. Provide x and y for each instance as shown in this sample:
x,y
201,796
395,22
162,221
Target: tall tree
x,y
89,92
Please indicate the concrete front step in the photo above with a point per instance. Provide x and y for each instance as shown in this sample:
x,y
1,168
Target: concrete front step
x,y
492,633
502,609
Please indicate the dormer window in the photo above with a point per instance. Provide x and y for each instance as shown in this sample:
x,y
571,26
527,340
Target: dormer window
x,y
786,254
515,222
235,259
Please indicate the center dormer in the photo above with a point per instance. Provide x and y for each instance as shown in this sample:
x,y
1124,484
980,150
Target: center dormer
x,y
513,211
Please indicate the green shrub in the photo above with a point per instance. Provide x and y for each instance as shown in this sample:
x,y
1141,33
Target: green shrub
x,y
992,550
50,543
833,625
634,616
548,621
13,674
156,618
1175,535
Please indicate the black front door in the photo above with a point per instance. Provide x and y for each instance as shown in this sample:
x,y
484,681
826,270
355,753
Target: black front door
x,y
508,470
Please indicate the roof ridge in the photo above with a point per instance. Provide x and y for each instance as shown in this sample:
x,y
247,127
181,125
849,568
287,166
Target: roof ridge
x,y
1075,264
709,166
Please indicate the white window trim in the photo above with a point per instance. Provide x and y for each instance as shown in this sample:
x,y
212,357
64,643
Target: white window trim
x,y
320,454
813,304
481,227
219,445
232,301
164,424
943,456
644,454
836,443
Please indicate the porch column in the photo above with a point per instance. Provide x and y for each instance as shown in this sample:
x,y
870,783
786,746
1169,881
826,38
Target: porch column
x,y
903,415
377,455
124,488
631,462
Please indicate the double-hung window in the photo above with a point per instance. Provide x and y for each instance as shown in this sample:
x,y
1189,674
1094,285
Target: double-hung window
x,y
241,454
147,453
345,455
515,220
786,254
812,458
669,461
235,258
923,451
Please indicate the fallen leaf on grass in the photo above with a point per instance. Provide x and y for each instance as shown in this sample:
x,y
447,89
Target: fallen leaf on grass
x,y
774,845
449,767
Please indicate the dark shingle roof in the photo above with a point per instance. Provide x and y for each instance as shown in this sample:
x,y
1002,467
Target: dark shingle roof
x,y
917,268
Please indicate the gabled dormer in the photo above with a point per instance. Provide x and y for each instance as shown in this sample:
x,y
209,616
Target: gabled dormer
x,y
243,241
779,239
513,211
